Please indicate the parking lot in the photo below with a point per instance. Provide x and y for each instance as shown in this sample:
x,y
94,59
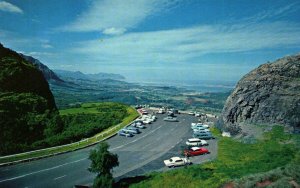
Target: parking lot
x,y
140,154
161,140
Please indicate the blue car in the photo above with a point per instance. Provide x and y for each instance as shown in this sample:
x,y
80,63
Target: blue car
x,y
122,133
198,126
203,135
131,130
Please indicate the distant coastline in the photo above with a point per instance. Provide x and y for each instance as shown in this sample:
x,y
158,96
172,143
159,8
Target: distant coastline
x,y
197,85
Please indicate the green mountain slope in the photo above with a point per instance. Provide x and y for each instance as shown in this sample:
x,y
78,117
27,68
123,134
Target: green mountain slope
x,y
26,103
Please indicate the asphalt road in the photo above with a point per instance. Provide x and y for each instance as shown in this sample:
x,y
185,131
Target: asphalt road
x,y
138,155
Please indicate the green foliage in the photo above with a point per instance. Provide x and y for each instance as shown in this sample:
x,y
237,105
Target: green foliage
x,y
23,117
279,177
42,128
235,160
102,163
102,160
103,181
26,103
86,121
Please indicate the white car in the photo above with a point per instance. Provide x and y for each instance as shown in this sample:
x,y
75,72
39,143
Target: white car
x,y
160,111
199,124
176,161
196,142
171,119
205,125
197,115
201,130
191,113
147,121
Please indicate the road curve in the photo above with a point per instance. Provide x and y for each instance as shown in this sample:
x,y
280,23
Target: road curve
x,y
137,155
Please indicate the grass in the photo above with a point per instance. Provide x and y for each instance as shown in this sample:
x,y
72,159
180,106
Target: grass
x,y
96,138
86,108
235,160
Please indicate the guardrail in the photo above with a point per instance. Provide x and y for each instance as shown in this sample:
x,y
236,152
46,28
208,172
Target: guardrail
x,y
72,146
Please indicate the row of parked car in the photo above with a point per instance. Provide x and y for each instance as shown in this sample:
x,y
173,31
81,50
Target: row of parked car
x,y
195,146
138,124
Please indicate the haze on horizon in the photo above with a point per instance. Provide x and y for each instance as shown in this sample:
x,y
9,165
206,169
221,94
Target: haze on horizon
x,y
153,40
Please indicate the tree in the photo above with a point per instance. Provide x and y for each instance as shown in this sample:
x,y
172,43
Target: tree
x,y
102,163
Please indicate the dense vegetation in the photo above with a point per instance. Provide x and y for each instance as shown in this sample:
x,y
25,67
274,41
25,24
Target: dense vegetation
x,y
83,122
26,103
235,160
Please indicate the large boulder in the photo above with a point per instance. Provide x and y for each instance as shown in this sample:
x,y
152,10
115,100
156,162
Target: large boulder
x,y
268,95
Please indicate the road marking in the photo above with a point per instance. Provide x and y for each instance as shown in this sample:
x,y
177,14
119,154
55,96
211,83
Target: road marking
x,y
135,139
60,177
47,169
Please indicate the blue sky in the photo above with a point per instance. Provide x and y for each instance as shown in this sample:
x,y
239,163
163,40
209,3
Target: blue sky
x,y
153,40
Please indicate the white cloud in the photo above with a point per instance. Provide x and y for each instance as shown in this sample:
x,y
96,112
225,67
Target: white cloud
x,y
38,54
273,13
8,7
46,46
184,45
114,31
107,14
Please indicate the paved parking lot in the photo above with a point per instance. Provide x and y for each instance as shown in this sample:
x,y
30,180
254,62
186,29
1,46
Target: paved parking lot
x,y
138,155
168,142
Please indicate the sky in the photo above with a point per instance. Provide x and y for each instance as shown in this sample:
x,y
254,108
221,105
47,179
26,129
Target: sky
x,y
153,40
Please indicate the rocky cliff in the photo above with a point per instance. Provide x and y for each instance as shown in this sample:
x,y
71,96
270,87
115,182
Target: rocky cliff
x,y
270,94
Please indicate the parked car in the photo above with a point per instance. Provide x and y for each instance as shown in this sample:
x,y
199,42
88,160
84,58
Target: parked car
x,y
201,130
140,126
147,121
196,151
199,124
126,134
177,161
160,111
170,113
196,142
169,118
131,130
138,121
191,113
206,135
175,111
205,125
138,106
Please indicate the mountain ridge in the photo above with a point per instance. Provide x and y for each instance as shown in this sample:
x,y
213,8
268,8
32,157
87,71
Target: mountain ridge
x,y
79,75
47,72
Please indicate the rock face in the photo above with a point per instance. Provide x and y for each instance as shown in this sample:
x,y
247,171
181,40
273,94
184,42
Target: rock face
x,y
270,94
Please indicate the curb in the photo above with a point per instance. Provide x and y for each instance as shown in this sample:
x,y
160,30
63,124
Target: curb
x,y
53,154
59,153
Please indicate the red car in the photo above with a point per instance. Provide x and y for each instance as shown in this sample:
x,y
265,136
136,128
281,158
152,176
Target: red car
x,y
196,151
